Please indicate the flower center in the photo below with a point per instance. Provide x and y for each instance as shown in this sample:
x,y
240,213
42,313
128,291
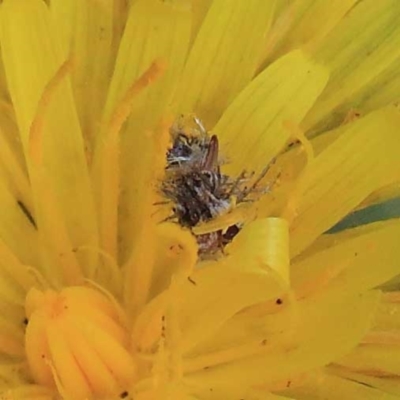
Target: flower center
x,y
76,342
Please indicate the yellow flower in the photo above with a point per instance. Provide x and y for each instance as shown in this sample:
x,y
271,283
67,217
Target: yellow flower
x,y
101,297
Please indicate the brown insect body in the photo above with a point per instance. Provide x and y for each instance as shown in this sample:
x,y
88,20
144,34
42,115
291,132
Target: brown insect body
x,y
198,189
196,186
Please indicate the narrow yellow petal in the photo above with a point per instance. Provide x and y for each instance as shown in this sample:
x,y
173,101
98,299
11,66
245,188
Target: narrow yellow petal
x,y
11,339
259,329
281,181
350,264
269,239
313,20
17,230
389,385
360,48
10,293
28,39
387,316
120,14
12,266
247,283
203,307
28,392
224,56
63,15
176,255
106,169
383,90
240,336
335,183
389,192
13,165
336,388
155,31
14,173
385,360
251,130
308,350
14,312
142,255
86,28
199,10
57,245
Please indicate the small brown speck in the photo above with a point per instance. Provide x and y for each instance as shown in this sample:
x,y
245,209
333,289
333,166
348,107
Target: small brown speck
x,y
27,213
124,395
279,301
192,281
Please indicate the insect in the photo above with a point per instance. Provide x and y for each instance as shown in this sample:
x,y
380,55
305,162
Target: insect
x,y
198,189
189,148
195,185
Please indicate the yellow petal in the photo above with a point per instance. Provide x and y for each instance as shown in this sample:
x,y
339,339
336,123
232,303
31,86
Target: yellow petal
x,y
31,57
317,20
323,334
350,263
308,22
11,339
85,29
204,307
333,387
121,11
251,130
385,360
199,10
383,90
335,181
14,312
251,330
106,169
389,385
15,277
269,239
13,174
176,254
28,392
17,230
154,30
360,48
141,262
389,192
387,316
56,243
13,166
224,56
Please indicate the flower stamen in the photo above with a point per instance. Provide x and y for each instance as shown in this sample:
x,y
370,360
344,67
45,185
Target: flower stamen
x,y
109,158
